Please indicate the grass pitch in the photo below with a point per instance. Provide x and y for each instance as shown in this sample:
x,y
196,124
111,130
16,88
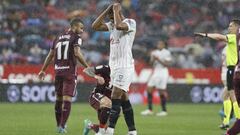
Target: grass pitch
x,y
39,119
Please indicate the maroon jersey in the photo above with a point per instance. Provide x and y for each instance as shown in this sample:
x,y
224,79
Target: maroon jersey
x,y
65,61
237,70
103,71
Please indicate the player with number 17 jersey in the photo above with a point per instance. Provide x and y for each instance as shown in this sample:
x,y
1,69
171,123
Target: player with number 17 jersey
x,y
65,61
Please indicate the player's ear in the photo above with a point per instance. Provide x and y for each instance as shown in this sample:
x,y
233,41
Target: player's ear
x,y
73,27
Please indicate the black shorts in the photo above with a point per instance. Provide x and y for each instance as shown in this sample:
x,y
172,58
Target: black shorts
x,y
230,73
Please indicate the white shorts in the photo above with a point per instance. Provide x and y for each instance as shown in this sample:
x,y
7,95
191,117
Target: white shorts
x,y
122,78
159,79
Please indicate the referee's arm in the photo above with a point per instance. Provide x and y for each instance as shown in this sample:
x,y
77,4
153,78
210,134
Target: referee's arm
x,y
215,36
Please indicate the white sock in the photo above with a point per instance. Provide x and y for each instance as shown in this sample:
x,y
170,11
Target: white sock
x,y
101,130
110,130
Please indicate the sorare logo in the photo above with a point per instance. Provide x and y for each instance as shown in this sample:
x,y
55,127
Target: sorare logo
x,y
13,93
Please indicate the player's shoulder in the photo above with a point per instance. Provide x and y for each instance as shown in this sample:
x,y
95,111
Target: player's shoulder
x,y
168,52
231,36
75,35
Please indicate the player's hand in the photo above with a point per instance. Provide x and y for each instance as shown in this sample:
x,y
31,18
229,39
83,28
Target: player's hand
x,y
116,7
100,79
41,75
154,57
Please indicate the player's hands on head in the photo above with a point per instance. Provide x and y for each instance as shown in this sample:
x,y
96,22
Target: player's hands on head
x,y
117,7
100,79
41,75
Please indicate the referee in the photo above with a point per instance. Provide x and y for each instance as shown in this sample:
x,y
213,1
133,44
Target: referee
x,y
231,60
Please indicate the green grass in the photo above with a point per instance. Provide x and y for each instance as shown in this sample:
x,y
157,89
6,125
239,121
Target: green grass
x,y
39,119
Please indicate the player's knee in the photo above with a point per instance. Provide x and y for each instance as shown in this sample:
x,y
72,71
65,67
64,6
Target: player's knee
x,y
115,110
149,89
67,98
106,102
109,104
226,95
127,107
59,98
232,96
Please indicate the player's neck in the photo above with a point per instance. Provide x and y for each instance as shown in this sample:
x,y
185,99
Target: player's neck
x,y
160,49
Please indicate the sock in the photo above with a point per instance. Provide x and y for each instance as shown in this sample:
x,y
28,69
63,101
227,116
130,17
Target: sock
x,y
104,115
95,127
101,130
149,95
227,107
114,113
128,115
65,112
163,102
235,128
58,111
236,110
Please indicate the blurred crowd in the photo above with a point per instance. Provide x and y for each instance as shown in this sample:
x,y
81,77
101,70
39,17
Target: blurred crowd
x,y
28,27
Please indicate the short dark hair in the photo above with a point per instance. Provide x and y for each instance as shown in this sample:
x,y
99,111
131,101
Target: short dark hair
x,y
236,21
75,21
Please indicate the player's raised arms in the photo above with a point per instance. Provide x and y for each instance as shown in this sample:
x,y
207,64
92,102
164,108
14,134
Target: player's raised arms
x,y
99,24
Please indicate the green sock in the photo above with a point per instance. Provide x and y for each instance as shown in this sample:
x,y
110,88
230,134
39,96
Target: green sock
x,y
236,110
227,107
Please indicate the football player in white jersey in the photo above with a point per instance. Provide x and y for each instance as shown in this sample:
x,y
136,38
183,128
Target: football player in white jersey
x,y
122,33
161,58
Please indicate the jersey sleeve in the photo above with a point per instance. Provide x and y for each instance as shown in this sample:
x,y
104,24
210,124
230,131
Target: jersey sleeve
x,y
77,41
231,38
109,25
131,24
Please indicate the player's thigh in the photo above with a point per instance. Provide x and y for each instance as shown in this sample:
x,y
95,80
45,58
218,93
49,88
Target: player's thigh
x,y
225,93
117,93
122,78
162,81
150,88
58,86
224,77
105,102
163,92
95,99
69,86
152,82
